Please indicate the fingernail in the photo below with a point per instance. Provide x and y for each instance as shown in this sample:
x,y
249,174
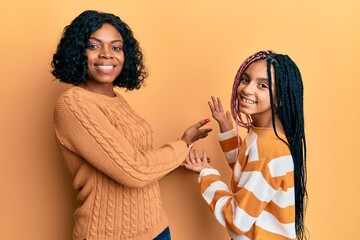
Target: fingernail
x,y
207,120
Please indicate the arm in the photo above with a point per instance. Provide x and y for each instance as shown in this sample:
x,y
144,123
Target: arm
x,y
254,187
229,145
237,211
228,137
88,133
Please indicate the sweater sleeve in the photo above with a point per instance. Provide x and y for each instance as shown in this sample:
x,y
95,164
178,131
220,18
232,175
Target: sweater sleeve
x,y
229,145
88,134
238,211
258,184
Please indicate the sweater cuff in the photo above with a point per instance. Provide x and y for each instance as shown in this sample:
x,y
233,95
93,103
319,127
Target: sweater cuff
x,y
188,146
226,135
206,172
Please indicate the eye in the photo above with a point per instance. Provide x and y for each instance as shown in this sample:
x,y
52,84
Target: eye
x,y
244,80
263,85
93,46
118,48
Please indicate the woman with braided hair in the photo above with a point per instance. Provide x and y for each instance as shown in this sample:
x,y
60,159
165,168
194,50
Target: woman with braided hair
x,y
267,198
107,146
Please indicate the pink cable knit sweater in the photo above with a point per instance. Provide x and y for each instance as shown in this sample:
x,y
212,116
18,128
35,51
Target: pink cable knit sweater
x,y
108,149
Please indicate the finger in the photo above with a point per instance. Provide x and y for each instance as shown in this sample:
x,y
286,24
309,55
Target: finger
x,y
197,156
201,123
205,159
204,131
192,157
211,106
187,160
220,105
216,107
202,134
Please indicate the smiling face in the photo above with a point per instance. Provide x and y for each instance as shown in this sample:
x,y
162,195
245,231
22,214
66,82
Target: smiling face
x,y
253,93
105,58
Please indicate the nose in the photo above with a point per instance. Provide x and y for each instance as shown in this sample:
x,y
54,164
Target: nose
x,y
246,89
105,53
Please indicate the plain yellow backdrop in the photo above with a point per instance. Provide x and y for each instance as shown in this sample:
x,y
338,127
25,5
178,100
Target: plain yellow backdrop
x,y
193,50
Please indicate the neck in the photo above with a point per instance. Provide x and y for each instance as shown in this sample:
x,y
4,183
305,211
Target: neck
x,y
267,123
107,90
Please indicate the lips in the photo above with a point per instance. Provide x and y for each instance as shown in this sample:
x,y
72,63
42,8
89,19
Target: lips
x,y
105,68
249,101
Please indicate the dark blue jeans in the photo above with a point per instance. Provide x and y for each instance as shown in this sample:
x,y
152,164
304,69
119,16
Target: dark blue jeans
x,y
164,235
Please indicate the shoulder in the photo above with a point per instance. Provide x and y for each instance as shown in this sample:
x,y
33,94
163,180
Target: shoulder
x,y
268,144
67,96
70,102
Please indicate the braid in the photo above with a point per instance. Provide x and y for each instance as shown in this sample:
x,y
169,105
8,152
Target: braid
x,y
289,102
289,93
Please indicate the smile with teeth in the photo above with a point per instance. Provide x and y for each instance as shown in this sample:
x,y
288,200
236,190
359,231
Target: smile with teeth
x,y
247,100
104,66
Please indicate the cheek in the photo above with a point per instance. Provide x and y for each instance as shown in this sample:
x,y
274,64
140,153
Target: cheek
x,y
121,57
239,89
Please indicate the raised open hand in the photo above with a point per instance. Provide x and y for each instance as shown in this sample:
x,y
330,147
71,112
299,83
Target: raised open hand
x,y
217,111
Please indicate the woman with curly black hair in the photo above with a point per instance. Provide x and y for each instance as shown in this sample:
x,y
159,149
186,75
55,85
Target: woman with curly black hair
x,y
107,146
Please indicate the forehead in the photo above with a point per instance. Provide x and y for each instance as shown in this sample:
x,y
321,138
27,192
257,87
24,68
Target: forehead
x,y
105,31
259,69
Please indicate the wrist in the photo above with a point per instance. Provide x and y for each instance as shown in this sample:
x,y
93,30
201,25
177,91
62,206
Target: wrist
x,y
187,141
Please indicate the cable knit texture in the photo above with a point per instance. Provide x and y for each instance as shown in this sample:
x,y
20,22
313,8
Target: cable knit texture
x,y
108,149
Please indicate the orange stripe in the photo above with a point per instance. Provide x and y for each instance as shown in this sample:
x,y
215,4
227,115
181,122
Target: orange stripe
x,y
261,166
261,234
229,144
249,202
285,182
207,180
283,215
218,194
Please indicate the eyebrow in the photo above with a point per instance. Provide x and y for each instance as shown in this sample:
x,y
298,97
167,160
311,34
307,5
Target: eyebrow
x,y
98,40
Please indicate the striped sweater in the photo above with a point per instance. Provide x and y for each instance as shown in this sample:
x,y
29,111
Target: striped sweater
x,y
108,149
261,202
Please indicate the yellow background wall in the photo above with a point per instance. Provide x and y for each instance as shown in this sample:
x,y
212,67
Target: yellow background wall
x,y
193,50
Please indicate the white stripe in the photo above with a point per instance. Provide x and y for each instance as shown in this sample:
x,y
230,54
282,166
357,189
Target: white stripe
x,y
255,183
285,198
281,166
237,171
209,193
227,135
231,156
237,237
207,171
251,149
242,220
268,222
218,210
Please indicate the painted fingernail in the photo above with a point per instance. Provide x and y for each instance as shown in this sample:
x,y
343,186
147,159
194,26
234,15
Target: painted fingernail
x,y
207,120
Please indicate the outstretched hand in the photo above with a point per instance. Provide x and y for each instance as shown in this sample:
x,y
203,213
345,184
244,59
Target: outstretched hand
x,y
196,163
217,111
194,133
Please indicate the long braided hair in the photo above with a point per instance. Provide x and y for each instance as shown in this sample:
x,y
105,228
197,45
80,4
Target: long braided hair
x,y
289,102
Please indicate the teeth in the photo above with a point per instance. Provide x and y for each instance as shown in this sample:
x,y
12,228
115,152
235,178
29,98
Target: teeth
x,y
105,67
248,101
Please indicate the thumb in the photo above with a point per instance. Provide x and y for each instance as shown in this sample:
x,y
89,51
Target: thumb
x,y
228,115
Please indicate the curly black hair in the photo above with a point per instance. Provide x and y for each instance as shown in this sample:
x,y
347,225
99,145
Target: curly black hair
x,y
70,62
